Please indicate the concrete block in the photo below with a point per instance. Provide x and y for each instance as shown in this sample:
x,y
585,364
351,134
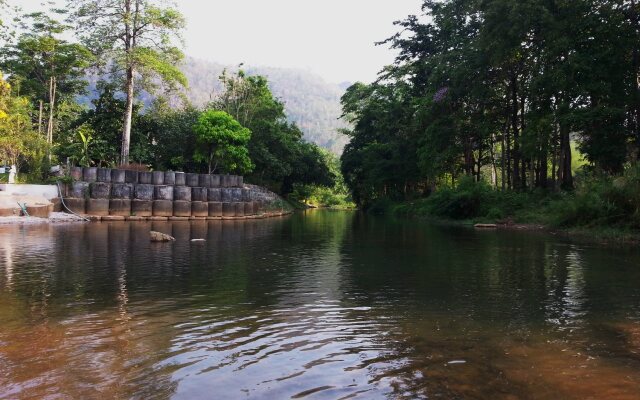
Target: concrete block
x,y
79,190
199,194
205,180
97,207
181,208
39,211
122,191
57,204
120,207
76,173
240,181
157,178
162,208
215,181
103,175
142,208
144,192
181,179
76,205
145,178
227,195
246,195
239,207
214,194
228,210
89,174
199,209
163,193
131,176
215,209
248,208
100,190
170,178
182,193
193,180
236,194
225,181
117,176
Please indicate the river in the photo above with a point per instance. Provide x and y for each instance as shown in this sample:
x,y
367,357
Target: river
x,y
319,305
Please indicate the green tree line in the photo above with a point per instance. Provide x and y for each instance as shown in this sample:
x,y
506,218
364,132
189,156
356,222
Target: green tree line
x,y
134,46
500,91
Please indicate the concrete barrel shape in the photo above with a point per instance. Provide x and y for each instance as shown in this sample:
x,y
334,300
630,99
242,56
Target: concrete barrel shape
x,y
227,195
205,180
142,208
193,180
240,181
162,208
89,174
120,207
246,195
100,190
123,191
103,175
236,194
79,190
215,209
181,179
144,192
76,173
98,207
215,181
225,181
214,194
199,194
170,178
248,208
181,208
117,176
199,209
239,207
77,206
234,180
131,176
145,178
163,193
182,193
158,178
228,210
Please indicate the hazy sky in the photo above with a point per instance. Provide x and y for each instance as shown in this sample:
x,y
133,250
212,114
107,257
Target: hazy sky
x,y
334,38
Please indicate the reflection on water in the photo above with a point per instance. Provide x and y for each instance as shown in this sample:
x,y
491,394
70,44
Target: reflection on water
x,y
325,305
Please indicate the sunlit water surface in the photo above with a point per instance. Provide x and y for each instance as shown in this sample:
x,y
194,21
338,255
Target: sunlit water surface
x,y
323,305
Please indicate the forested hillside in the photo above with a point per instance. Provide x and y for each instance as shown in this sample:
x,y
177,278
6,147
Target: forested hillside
x,y
312,103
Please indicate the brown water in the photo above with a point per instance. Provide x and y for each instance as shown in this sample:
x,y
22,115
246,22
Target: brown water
x,y
325,305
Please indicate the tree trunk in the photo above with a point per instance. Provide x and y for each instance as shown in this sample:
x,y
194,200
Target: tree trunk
x,y
128,117
40,116
52,104
514,127
564,169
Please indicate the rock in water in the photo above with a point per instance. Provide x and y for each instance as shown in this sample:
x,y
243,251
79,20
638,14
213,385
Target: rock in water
x,y
161,237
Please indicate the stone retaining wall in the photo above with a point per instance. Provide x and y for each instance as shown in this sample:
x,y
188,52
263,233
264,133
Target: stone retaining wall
x,y
102,192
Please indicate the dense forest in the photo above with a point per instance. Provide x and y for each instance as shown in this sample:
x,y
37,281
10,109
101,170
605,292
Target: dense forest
x,y
96,85
310,102
505,94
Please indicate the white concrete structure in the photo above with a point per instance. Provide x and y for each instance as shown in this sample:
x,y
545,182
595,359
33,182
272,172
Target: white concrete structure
x,y
49,192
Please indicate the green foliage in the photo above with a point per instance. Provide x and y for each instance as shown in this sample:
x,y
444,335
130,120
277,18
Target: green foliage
x,y
19,143
222,143
282,158
497,90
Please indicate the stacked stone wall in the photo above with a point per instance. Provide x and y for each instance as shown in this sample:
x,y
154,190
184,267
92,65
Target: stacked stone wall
x,y
103,192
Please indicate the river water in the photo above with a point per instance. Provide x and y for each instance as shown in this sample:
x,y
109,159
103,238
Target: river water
x,y
322,305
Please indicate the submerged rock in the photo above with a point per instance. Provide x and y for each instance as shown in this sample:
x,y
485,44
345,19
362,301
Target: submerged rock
x,y
161,237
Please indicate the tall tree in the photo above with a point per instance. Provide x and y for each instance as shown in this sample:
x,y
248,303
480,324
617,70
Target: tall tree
x,y
134,38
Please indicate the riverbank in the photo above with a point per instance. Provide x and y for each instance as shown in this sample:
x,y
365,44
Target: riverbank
x,y
599,209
